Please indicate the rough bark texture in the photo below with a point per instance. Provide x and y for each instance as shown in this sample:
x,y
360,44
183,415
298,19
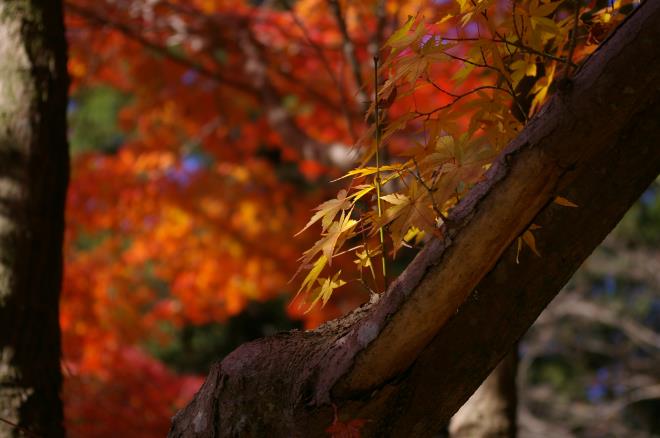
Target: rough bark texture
x,y
409,360
491,411
33,178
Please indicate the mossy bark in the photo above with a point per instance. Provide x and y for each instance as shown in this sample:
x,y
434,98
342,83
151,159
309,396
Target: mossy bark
x,y
33,178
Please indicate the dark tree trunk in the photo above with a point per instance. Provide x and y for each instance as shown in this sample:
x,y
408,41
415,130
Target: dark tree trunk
x,y
33,178
407,361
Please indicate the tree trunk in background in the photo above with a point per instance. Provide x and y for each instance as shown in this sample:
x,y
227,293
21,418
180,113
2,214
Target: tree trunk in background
x,y
33,178
491,411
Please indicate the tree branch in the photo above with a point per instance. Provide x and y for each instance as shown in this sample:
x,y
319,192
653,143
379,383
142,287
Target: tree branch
x,y
573,305
256,83
350,54
408,361
326,64
176,57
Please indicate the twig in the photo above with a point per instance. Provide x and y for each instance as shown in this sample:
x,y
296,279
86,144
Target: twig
x,y
381,19
327,66
207,72
430,190
468,61
378,201
514,4
22,429
349,52
461,96
278,117
130,33
571,47
502,40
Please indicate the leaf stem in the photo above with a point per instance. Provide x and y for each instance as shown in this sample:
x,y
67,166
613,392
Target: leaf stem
x,y
378,182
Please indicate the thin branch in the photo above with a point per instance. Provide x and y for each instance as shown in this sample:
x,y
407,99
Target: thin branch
x,y
328,68
381,21
467,61
216,23
504,77
430,190
502,40
546,55
514,4
378,181
461,96
349,51
259,87
132,34
634,396
574,306
571,48
22,429
313,44
207,72
439,88
278,117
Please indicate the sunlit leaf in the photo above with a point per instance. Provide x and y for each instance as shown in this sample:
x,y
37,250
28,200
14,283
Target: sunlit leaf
x,y
313,273
327,211
325,290
565,202
530,241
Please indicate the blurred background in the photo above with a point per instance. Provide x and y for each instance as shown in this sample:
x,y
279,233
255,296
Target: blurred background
x,y
590,364
203,133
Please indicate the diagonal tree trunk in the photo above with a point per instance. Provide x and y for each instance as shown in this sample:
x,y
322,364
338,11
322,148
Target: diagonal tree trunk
x,y
33,177
408,361
492,410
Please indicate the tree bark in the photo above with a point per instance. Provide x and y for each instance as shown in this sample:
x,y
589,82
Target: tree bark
x,y
33,177
408,360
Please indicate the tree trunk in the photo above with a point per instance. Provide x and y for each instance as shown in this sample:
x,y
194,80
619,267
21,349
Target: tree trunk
x,y
491,411
408,360
33,177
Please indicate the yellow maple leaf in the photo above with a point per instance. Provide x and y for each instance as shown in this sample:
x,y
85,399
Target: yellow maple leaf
x,y
325,290
327,211
334,238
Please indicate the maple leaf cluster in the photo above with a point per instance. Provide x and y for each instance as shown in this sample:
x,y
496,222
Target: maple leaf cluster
x,y
452,92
